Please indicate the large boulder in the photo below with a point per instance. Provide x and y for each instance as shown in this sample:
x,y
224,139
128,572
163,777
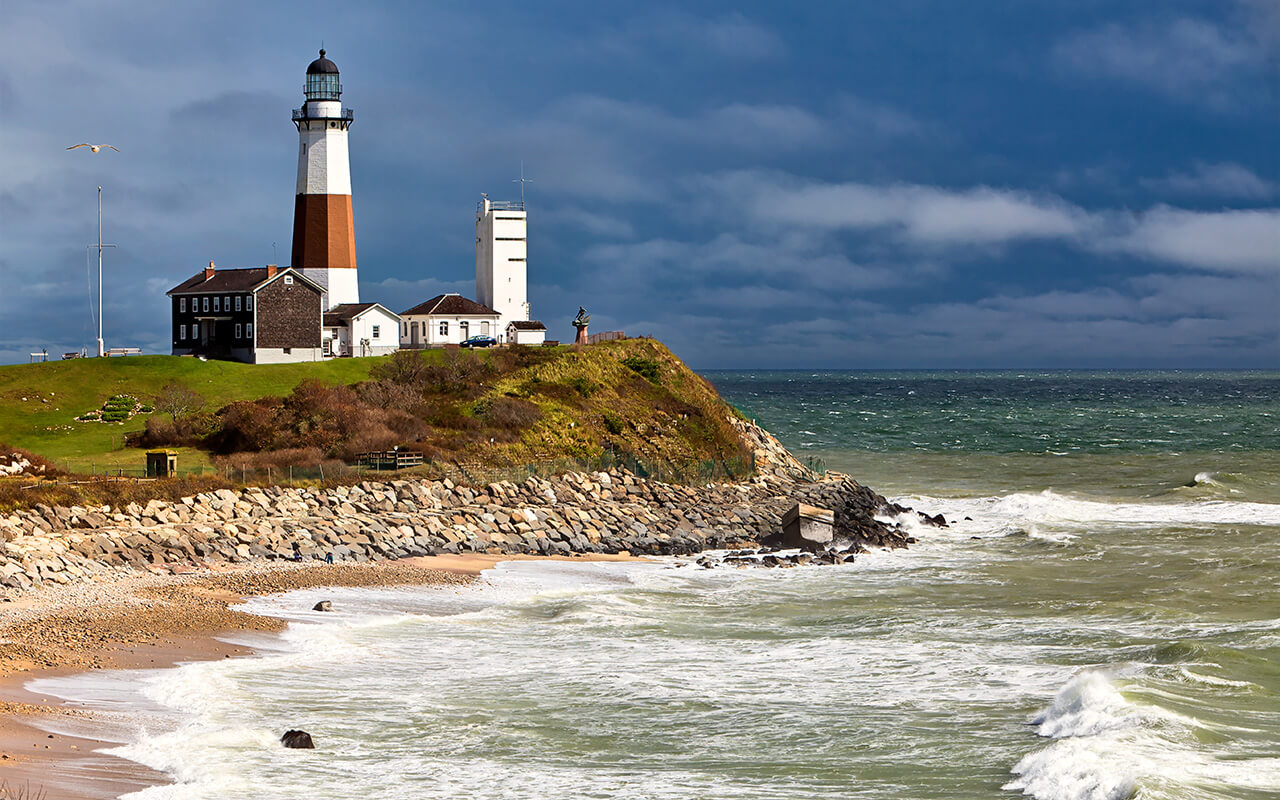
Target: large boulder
x,y
299,740
807,527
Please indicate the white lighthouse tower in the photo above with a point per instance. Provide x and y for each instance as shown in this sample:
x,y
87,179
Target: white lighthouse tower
x,y
501,260
324,242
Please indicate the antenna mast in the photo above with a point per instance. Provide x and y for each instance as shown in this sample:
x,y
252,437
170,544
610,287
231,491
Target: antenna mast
x,y
522,180
101,350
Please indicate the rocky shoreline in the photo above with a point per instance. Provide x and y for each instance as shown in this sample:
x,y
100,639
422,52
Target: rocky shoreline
x,y
583,513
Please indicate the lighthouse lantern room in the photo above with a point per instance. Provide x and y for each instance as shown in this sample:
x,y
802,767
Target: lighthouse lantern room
x,y
324,244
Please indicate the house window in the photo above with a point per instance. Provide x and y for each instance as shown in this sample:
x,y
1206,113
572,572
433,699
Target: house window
x,y
484,328
406,329
216,304
182,331
239,331
328,347
288,280
248,303
444,329
237,302
182,304
376,330
248,330
206,304
226,303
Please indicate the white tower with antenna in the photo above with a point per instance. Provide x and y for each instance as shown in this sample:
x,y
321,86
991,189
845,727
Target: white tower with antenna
x,y
502,258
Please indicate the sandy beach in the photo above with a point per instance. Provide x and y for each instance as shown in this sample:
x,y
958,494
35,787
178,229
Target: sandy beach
x,y
149,622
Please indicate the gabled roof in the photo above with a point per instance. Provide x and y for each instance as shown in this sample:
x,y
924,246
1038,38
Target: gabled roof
x,y
527,325
237,280
343,313
454,305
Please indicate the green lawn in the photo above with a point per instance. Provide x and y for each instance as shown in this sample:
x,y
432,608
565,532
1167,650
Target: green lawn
x,y
39,402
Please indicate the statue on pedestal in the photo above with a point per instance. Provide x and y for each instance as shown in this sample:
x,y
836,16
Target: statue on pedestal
x,y
580,322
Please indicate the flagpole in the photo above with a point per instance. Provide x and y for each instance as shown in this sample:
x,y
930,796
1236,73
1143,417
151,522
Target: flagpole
x,y
101,351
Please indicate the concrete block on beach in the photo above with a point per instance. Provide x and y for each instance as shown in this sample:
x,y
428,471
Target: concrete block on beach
x,y
807,527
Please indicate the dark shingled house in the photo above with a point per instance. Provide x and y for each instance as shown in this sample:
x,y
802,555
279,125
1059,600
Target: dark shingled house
x,y
261,315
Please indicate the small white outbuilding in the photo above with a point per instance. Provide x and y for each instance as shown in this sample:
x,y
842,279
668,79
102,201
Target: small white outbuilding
x,y
526,332
360,329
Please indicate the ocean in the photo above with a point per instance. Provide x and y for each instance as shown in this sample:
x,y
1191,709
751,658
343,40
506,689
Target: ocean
x,y
1101,621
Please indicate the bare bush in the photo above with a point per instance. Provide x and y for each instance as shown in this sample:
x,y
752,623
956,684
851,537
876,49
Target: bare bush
x,y
179,401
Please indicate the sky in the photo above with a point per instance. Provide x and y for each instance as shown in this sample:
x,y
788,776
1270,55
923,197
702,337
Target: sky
x,y
916,184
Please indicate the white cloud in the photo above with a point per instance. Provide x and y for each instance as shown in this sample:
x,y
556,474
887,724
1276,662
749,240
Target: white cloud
x,y
1224,179
1235,241
935,218
1190,60
923,214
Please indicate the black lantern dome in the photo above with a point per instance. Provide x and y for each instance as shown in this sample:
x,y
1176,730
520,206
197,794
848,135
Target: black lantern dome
x,y
322,80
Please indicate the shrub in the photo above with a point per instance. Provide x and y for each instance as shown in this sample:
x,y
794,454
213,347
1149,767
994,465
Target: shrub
x,y
145,409
612,423
248,425
519,356
288,457
390,394
403,367
460,373
159,432
451,416
646,368
584,387
508,413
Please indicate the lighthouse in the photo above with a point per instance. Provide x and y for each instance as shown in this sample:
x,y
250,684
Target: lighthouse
x,y
324,241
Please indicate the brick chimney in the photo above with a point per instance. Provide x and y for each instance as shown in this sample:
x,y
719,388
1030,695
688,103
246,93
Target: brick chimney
x,y
271,270
208,271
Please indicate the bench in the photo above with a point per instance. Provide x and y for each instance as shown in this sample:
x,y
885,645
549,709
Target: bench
x,y
124,351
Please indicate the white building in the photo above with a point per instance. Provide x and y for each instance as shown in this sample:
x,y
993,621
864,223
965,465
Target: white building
x,y
359,330
324,241
502,260
526,332
447,319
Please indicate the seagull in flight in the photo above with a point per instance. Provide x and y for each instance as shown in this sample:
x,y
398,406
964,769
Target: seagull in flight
x,y
94,147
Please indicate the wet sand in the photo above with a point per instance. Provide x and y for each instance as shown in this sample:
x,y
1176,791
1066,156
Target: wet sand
x,y
149,622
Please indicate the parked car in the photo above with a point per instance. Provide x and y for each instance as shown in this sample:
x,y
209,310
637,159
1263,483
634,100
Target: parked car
x,y
480,341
